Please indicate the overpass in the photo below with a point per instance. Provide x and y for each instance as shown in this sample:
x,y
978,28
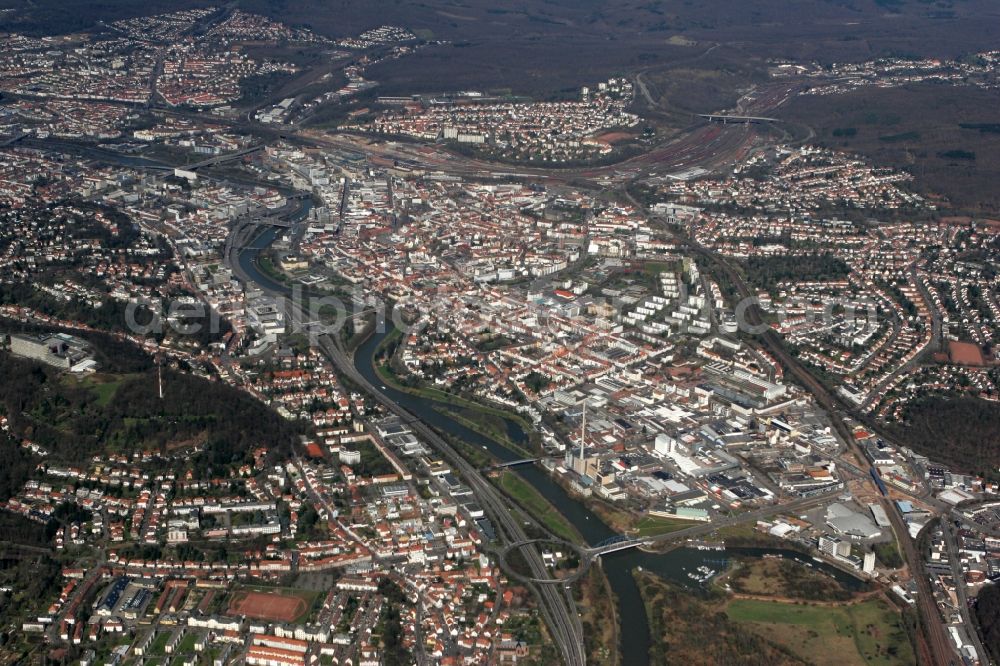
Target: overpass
x,y
746,120
220,159
586,554
266,221
11,140
558,607
276,217
589,554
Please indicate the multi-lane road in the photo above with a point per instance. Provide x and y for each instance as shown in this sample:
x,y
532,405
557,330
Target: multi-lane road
x,y
703,144
557,603
938,643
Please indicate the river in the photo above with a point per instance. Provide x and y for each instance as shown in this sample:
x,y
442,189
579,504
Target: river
x,y
633,625
634,638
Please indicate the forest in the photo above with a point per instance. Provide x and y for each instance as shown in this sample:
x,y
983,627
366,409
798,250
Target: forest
x,y
391,624
767,272
988,616
112,315
75,419
29,580
109,317
16,465
961,432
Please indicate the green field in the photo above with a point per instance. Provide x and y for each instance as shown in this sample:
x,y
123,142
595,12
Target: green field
x,y
649,526
102,386
539,508
869,632
268,268
692,628
485,422
373,463
187,644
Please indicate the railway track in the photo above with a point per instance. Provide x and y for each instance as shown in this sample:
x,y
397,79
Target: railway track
x,y
934,632
558,605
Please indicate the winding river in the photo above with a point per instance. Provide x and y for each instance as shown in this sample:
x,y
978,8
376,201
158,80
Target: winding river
x,y
633,625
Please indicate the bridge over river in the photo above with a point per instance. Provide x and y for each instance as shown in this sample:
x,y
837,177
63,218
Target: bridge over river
x,y
589,554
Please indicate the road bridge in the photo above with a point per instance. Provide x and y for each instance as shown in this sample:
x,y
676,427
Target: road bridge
x,y
542,577
614,544
11,140
267,221
558,609
586,555
937,640
513,463
746,120
220,159
589,554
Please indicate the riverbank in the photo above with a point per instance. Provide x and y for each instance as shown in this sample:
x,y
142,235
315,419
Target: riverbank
x,y
267,267
634,638
596,599
597,603
485,424
539,508
476,448
624,521
783,579
455,407
691,629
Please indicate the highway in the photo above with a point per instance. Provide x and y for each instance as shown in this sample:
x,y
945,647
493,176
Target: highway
x,y
557,605
557,602
704,144
559,609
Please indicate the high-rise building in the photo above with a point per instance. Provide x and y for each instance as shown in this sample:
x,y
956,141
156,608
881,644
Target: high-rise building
x,y
869,564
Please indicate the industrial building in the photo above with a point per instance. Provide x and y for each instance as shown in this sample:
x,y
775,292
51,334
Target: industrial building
x,y
59,350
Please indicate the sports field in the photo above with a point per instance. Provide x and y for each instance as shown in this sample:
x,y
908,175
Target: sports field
x,y
275,606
